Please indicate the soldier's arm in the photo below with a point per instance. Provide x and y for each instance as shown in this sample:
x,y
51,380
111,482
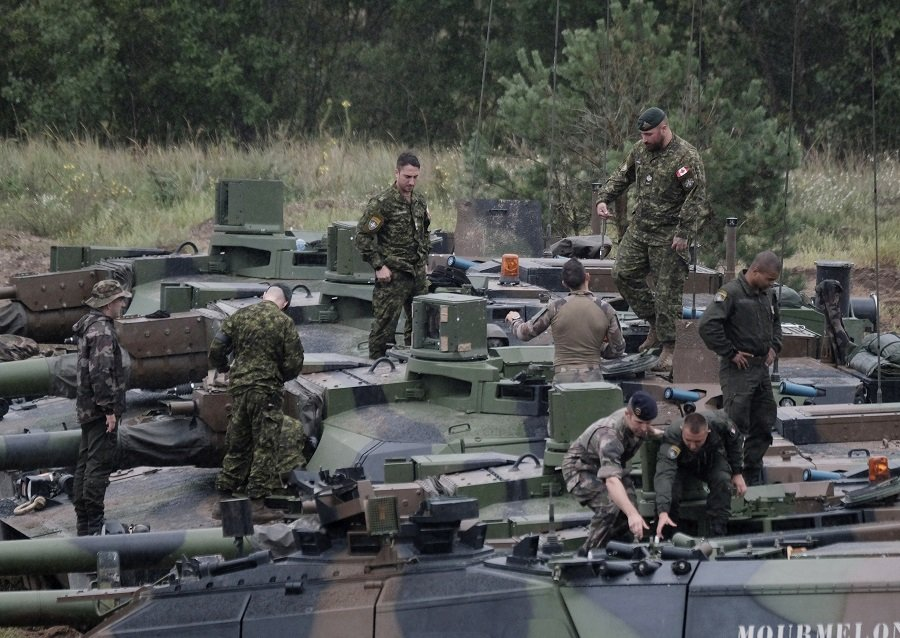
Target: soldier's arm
x,y
666,470
776,325
292,363
101,364
619,181
712,326
366,238
695,211
615,340
528,330
219,349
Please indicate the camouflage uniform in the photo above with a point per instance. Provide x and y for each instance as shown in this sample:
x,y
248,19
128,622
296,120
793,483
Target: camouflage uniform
x,y
101,384
267,352
599,453
670,202
585,330
714,463
742,318
393,232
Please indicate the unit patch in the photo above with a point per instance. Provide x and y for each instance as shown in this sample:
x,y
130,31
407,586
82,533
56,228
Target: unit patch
x,y
688,183
673,452
721,295
681,172
375,222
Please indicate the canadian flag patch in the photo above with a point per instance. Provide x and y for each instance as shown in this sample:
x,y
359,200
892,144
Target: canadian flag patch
x,y
681,172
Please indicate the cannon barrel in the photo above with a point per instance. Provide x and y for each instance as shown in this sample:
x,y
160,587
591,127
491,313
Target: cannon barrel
x,y
39,449
151,550
27,608
818,536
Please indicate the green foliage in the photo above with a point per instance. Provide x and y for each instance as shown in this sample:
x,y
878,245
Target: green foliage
x,y
582,133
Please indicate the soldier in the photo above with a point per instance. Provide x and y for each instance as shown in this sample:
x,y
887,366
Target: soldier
x,y
392,236
585,329
99,402
707,446
743,327
267,352
595,473
670,205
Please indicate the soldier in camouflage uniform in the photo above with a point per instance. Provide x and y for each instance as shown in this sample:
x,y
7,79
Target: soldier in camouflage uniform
x,y
707,446
670,206
585,329
267,352
99,401
743,327
392,236
595,471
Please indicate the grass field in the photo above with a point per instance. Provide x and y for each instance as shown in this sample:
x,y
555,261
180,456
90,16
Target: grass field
x,y
80,192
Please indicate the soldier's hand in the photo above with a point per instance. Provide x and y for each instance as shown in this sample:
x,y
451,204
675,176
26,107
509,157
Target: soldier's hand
x,y
111,422
383,274
512,315
679,244
770,357
739,484
603,210
637,525
664,520
742,360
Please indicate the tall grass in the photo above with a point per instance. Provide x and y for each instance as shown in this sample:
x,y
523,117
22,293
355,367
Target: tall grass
x,y
82,192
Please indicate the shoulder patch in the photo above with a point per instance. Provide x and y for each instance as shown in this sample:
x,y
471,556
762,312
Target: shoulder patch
x,y
721,295
375,222
682,172
688,183
673,452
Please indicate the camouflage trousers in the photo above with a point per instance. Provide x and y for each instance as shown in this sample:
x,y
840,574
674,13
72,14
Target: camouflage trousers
x,y
96,461
749,402
389,299
635,261
609,522
290,445
251,443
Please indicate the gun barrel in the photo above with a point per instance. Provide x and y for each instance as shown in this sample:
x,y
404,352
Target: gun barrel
x,y
39,449
27,608
136,551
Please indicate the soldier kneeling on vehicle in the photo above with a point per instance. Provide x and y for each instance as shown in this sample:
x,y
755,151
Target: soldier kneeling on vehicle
x,y
706,446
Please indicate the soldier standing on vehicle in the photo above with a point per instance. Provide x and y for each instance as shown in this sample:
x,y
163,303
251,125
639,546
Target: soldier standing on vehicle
x,y
707,446
392,236
595,471
267,352
585,328
670,203
99,401
743,327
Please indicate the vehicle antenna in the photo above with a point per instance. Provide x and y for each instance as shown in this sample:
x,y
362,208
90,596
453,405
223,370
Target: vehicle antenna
x,y
787,168
552,166
695,248
878,395
477,150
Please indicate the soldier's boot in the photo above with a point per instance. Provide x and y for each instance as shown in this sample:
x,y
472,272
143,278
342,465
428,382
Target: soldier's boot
x,y
261,514
94,523
718,527
664,363
651,341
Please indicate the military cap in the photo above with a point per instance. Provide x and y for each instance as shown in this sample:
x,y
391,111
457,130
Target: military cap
x,y
105,292
651,118
643,406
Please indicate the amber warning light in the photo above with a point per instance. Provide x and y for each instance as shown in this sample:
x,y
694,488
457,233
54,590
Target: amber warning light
x,y
509,269
879,470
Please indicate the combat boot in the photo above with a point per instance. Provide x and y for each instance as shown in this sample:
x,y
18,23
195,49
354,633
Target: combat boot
x,y
651,341
261,514
664,364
